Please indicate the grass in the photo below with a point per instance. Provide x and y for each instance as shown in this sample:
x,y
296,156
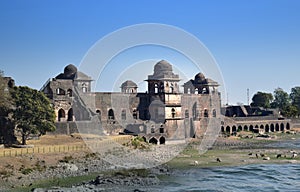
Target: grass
x,y
59,182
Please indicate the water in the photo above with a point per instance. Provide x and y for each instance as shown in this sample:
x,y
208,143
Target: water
x,y
257,177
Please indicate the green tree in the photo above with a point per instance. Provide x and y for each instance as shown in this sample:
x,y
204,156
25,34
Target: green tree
x,y
33,113
261,99
295,97
289,111
281,99
5,100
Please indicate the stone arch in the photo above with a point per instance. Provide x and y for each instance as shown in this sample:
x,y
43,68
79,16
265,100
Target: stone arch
x,y
240,128
245,128
222,129
262,127
288,126
251,128
272,128
234,129
281,127
228,130
277,127
61,114
70,115
267,128
153,140
111,114
162,140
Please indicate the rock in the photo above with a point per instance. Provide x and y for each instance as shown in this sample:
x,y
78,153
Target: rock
x,y
69,167
266,158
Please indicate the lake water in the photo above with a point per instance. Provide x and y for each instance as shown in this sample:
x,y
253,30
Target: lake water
x,y
259,177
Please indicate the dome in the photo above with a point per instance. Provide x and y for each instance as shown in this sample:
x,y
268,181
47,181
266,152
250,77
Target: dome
x,y
129,83
70,70
199,78
163,68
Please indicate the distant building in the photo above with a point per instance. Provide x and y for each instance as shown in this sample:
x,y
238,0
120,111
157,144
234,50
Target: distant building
x,y
160,115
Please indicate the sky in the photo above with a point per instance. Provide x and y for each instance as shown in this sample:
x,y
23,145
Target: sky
x,y
256,43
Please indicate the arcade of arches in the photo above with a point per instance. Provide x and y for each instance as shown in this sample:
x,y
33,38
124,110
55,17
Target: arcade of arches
x,y
258,127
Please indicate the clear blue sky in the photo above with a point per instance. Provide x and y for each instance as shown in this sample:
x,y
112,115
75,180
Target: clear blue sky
x,y
256,43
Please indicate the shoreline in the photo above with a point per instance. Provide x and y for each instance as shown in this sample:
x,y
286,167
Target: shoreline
x,y
230,151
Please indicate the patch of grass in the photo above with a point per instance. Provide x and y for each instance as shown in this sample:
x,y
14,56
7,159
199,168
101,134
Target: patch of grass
x,y
24,170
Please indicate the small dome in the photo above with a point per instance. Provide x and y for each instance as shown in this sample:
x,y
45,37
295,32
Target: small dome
x,y
70,70
199,78
163,68
129,83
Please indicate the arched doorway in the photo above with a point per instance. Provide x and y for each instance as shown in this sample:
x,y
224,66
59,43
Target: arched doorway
x,y
288,126
153,140
245,128
272,128
228,129
240,128
162,140
234,129
222,129
61,115
251,128
111,114
281,127
277,127
267,129
70,115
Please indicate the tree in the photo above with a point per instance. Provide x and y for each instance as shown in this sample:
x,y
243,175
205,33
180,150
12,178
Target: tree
x,y
289,111
295,97
261,99
33,113
281,99
5,100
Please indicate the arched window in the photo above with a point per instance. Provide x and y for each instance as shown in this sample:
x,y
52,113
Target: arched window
x,y
61,114
155,88
161,129
111,114
189,91
134,114
98,113
205,113
196,91
171,88
123,114
173,111
84,87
